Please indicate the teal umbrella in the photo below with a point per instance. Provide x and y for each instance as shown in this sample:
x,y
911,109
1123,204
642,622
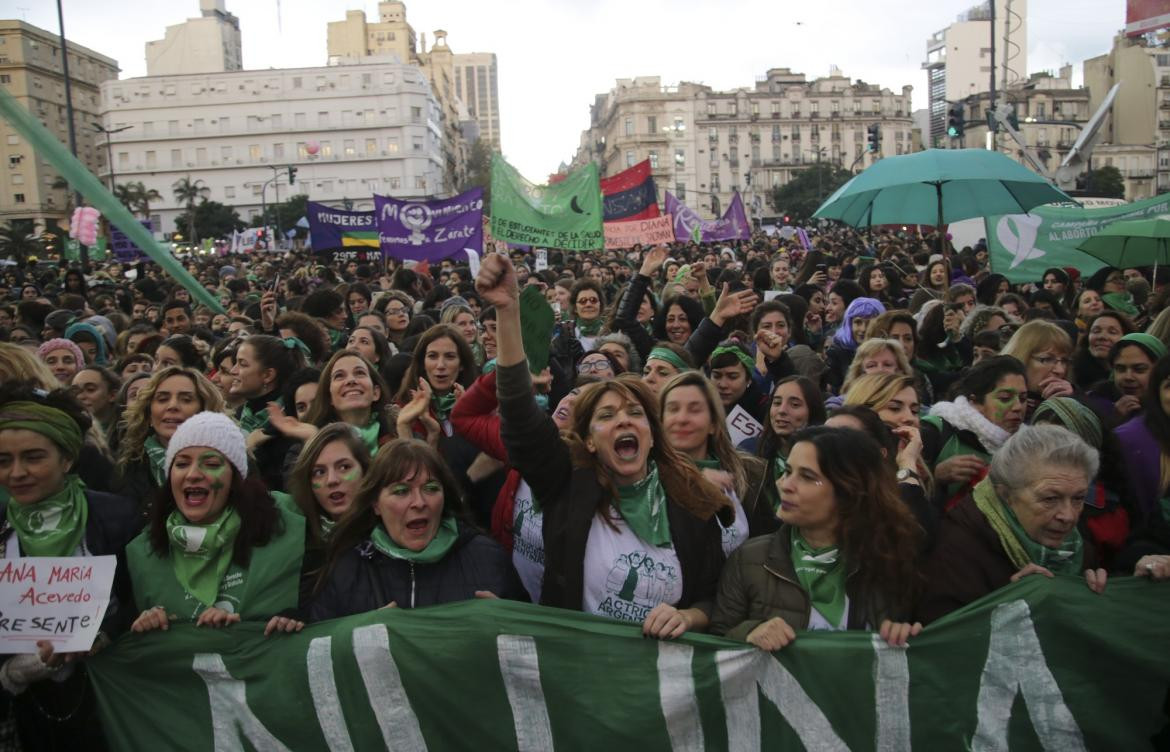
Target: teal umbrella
x,y
1131,242
938,186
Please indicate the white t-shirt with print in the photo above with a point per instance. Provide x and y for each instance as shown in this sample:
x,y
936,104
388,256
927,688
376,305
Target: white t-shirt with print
x,y
625,577
733,537
528,541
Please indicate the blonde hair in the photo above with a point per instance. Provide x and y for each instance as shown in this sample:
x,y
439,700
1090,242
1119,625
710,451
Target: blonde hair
x,y
1035,336
1160,327
868,349
137,414
875,390
19,364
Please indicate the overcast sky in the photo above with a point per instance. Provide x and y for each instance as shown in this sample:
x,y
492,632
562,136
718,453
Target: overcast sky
x,y
555,55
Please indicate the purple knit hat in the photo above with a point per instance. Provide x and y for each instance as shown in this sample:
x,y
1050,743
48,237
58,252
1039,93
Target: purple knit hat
x,y
61,344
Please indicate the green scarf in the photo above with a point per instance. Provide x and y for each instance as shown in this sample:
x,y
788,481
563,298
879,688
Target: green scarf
x,y
337,338
156,455
444,538
779,467
711,463
54,525
643,507
369,433
822,573
1020,548
201,554
442,404
326,524
590,328
251,420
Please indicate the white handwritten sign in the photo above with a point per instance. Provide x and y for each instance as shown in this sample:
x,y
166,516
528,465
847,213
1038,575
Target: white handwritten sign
x,y
59,599
742,426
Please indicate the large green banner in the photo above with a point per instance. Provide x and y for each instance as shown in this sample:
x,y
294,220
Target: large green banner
x,y
1043,664
565,215
1022,246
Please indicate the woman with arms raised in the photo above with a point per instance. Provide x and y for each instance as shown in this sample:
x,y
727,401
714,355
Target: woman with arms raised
x,y
629,523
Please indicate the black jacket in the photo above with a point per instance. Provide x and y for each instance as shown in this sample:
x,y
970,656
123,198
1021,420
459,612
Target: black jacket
x,y
570,497
365,579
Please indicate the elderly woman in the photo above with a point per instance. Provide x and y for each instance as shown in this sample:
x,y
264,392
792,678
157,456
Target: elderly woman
x,y
844,557
217,549
629,524
40,441
1046,352
1020,520
405,544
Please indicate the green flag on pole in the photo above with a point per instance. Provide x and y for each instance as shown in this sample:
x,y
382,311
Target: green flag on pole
x,y
564,215
1041,664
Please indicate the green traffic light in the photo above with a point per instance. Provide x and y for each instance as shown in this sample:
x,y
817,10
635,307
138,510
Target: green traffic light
x,y
953,132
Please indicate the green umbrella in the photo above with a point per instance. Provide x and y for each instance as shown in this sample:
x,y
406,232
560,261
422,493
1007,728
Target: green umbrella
x,y
1131,242
938,186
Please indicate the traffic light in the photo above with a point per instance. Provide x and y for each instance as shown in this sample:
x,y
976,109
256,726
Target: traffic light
x,y
955,120
292,175
873,138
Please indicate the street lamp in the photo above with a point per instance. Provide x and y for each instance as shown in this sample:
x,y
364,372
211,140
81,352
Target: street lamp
x,y
109,147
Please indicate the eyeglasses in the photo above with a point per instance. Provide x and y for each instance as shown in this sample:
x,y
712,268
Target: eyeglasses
x,y
588,301
595,366
1049,360
395,311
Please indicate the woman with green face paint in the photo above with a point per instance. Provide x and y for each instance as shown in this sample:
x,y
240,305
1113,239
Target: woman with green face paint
x,y
326,478
959,437
218,548
50,512
404,543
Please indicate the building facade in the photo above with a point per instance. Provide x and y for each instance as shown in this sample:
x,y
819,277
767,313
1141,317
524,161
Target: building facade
x,y
31,71
350,130
706,145
477,85
208,44
958,59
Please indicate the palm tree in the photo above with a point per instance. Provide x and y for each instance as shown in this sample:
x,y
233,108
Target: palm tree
x,y
187,192
17,244
136,197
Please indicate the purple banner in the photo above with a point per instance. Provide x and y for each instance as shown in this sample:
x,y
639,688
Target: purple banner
x,y
688,226
123,248
430,230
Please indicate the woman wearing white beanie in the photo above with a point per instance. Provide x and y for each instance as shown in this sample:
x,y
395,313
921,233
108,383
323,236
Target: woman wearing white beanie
x,y
217,548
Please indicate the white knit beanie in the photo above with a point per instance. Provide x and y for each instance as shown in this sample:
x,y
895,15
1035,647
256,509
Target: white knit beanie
x,y
209,429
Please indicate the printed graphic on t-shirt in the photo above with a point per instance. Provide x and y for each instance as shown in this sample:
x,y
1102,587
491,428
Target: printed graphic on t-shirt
x,y
528,541
625,578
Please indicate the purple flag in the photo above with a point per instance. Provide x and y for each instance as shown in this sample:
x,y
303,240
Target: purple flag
x,y
430,230
689,226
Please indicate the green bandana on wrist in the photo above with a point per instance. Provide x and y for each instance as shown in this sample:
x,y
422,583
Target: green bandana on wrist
x,y
643,507
1020,548
53,526
156,456
442,403
202,554
369,433
444,538
590,328
821,573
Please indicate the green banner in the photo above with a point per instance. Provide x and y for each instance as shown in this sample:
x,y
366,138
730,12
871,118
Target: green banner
x,y
1022,246
564,215
1043,664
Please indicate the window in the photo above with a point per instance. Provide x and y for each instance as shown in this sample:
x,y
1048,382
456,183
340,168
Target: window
x,y
5,78
18,179
322,119
713,135
416,114
420,182
776,133
225,124
151,160
836,106
275,121
652,125
18,198
327,148
123,159
715,182
733,108
680,190
395,183
348,147
326,186
198,125
176,157
653,159
1040,109
416,143
225,153
856,106
229,191
371,147
711,109
679,125
392,145
814,108
255,152
714,159
14,160
755,108
257,188
300,121
201,155
629,126
629,159
13,140
278,151
172,127
680,158
296,82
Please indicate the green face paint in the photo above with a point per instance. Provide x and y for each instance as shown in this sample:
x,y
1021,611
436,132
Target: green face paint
x,y
352,475
1001,406
318,486
213,465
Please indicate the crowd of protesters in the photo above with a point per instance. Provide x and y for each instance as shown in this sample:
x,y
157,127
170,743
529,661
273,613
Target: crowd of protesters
x,y
748,439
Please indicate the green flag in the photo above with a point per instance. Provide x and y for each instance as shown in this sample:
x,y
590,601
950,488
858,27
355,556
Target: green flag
x,y
1043,663
564,215
1022,246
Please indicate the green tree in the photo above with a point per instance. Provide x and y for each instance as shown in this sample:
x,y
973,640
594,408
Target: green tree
x,y
17,243
479,170
290,212
210,219
801,196
1105,182
187,193
136,197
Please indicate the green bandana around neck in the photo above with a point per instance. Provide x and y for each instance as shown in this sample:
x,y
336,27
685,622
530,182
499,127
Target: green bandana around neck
x,y
590,328
369,434
710,463
1020,548
443,403
337,338
53,526
821,572
643,507
779,467
202,554
251,420
327,524
156,456
444,538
